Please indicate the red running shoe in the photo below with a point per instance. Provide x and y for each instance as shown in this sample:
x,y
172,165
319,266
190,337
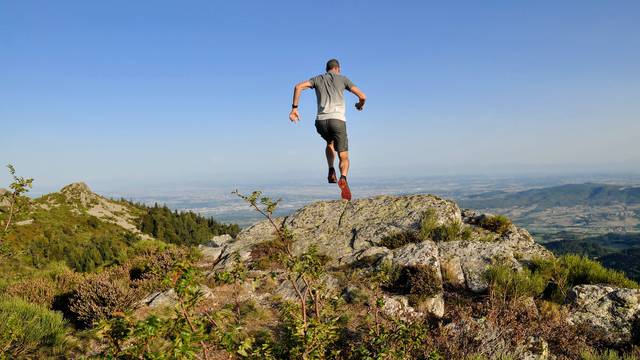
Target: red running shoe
x,y
346,192
332,176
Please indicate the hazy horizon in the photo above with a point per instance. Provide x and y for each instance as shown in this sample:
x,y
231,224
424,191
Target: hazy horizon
x,y
146,93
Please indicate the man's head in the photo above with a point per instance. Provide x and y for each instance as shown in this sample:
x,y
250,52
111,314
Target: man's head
x,y
334,65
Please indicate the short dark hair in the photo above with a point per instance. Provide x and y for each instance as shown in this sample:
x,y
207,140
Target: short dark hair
x,y
332,64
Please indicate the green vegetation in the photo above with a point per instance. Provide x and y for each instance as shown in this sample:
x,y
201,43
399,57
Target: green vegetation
x,y
613,250
498,223
400,239
27,330
508,283
13,198
624,260
552,279
608,355
429,230
183,228
70,282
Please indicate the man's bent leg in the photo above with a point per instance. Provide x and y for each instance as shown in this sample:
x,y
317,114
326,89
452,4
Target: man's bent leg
x,y
330,152
344,169
344,162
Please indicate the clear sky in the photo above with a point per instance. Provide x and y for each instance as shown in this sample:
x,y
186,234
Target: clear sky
x,y
143,92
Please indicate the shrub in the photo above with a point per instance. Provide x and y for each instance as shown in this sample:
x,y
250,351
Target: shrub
x,y
429,230
582,270
510,284
499,223
428,224
25,329
419,280
567,271
39,291
400,239
451,231
99,297
45,286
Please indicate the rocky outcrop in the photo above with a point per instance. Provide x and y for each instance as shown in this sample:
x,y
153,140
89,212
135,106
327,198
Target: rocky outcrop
x,y
613,312
351,232
80,196
342,230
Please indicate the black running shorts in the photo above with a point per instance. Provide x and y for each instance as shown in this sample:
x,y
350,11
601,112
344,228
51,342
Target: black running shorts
x,y
333,130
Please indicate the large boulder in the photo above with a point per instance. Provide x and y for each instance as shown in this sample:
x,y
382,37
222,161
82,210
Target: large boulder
x,y
342,230
351,233
614,312
464,262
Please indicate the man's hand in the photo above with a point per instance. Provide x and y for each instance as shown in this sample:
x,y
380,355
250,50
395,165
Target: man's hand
x,y
361,97
294,116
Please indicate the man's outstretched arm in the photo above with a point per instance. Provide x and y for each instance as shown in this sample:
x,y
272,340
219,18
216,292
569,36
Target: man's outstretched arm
x,y
293,115
361,97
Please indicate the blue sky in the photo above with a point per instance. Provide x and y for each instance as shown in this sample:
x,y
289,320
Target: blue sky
x,y
147,92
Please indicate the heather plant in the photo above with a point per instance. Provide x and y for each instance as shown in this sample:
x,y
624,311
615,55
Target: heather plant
x,y
101,296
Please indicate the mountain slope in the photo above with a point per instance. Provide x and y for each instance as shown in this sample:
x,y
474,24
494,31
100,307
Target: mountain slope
x,y
562,195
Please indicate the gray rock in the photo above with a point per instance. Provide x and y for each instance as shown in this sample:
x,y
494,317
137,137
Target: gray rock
x,y
464,262
615,312
424,254
219,241
398,307
160,299
342,230
349,232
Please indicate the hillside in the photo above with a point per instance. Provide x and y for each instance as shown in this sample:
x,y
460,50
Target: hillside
x,y
87,231
558,196
406,277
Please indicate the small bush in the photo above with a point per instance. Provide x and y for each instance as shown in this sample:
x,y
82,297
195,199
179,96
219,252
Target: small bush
x,y
567,271
39,291
400,239
418,280
585,271
429,230
452,231
100,297
428,224
499,223
266,255
25,329
510,284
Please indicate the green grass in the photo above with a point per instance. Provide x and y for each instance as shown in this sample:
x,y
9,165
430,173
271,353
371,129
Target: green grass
x,y
429,230
508,283
26,329
552,278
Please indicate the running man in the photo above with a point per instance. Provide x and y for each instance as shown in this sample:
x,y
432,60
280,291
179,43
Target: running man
x,y
330,122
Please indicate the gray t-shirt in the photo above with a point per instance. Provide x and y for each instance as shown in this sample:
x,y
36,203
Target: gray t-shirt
x,y
330,94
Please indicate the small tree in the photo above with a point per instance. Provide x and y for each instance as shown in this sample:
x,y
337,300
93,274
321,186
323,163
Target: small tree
x,y
18,187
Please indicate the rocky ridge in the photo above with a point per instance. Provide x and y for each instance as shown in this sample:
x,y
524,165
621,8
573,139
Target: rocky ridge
x,y
350,234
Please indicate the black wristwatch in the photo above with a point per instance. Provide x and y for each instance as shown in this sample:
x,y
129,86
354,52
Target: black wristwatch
x,y
294,106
